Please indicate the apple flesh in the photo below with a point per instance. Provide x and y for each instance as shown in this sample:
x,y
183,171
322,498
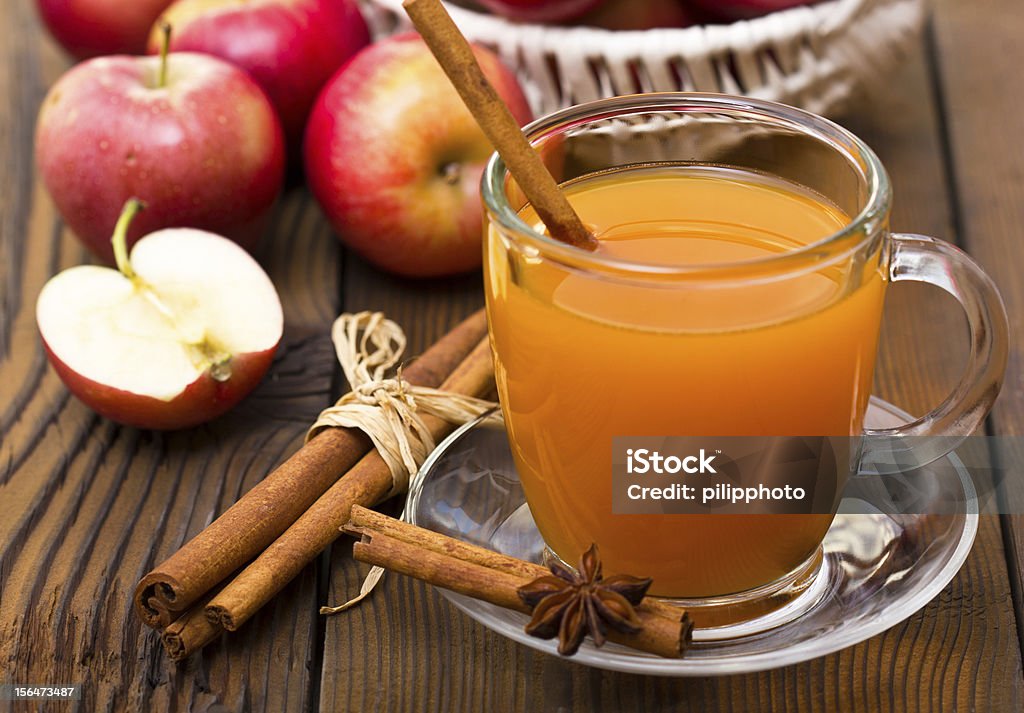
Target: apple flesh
x,y
203,149
290,47
178,336
745,9
90,28
395,158
540,10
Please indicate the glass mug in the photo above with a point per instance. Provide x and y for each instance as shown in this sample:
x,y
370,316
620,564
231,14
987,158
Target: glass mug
x,y
590,346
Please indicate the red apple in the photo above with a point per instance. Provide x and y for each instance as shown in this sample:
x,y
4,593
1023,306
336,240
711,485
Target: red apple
x,y
89,28
202,147
745,9
395,158
176,336
540,10
639,15
290,47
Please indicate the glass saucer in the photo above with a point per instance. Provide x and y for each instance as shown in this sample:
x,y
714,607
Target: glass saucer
x,y
878,568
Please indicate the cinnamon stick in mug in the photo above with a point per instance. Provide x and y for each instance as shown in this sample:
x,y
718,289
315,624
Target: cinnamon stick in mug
x,y
266,511
453,52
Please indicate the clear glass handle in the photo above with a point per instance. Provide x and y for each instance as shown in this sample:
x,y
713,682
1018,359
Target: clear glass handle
x,y
935,262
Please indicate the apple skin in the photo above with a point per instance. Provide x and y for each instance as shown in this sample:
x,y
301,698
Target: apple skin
x,y
745,9
395,158
540,10
206,151
202,401
290,47
639,15
90,28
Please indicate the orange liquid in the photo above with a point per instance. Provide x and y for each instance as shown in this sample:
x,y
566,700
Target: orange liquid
x,y
581,358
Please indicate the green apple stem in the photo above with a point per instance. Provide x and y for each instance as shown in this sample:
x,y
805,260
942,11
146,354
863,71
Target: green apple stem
x,y
165,48
120,240
204,352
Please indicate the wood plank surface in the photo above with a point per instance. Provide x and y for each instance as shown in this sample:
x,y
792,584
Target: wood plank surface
x,y
978,50
89,506
369,651
407,649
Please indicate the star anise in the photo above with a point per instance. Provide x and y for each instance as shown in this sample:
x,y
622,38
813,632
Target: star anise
x,y
570,604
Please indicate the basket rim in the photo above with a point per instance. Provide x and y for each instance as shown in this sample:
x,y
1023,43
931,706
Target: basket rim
x,y
810,55
800,18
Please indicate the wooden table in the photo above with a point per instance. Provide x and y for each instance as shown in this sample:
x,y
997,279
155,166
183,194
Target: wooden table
x,y
88,507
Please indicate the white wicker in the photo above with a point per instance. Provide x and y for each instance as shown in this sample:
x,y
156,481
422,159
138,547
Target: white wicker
x,y
818,57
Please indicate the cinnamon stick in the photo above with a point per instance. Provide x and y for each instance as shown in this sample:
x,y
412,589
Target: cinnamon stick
x,y
455,56
368,482
362,517
482,574
266,511
189,632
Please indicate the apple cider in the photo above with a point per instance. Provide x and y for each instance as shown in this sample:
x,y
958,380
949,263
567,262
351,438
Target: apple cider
x,y
583,356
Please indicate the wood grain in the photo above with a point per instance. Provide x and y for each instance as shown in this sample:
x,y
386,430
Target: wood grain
x,y
977,46
90,506
354,652
407,649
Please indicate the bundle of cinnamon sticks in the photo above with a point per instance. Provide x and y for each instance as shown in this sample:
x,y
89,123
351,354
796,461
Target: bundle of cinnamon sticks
x,y
227,572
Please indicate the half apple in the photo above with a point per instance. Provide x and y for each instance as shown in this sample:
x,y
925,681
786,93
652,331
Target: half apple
x,y
179,333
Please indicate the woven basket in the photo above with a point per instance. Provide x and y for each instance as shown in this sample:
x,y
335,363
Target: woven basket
x,y
819,57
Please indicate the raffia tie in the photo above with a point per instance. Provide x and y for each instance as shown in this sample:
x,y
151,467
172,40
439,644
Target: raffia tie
x,y
387,408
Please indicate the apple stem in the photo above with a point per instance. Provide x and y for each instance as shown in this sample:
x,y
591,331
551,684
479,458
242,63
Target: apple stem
x,y
120,240
165,48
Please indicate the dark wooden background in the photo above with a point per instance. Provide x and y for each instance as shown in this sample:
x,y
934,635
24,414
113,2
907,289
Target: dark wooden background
x,y
87,507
